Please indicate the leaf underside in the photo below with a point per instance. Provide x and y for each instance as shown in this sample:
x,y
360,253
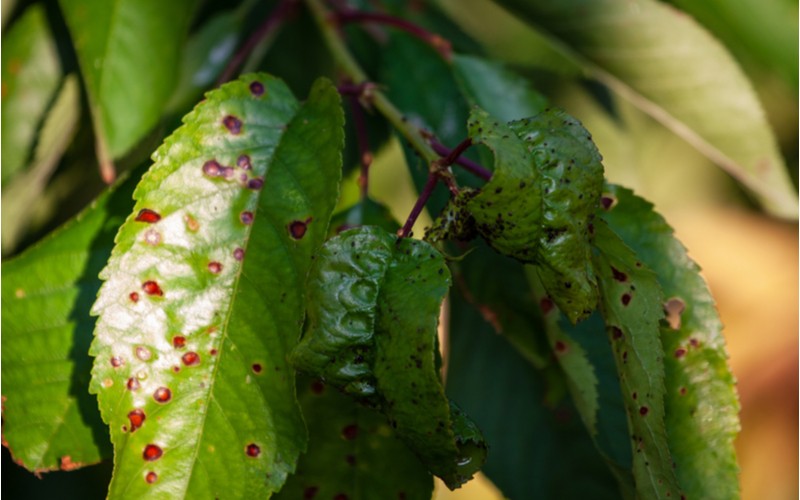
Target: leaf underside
x,y
203,294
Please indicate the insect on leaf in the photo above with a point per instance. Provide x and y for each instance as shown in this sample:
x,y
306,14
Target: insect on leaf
x,y
203,294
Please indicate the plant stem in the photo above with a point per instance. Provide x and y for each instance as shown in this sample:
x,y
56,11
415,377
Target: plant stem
x,y
468,164
267,28
328,26
427,190
365,156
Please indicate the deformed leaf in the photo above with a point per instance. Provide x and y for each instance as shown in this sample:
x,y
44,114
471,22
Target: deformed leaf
x,y
30,73
374,308
204,294
701,410
50,421
352,452
539,204
631,304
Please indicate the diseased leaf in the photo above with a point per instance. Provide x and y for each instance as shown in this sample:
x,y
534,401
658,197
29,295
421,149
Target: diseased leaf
x,y
25,189
352,452
128,52
539,204
374,307
50,421
631,304
204,294
664,63
701,410
530,438
31,73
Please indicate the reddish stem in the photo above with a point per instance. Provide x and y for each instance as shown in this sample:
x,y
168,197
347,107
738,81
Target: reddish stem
x,y
424,196
270,24
466,163
362,139
437,42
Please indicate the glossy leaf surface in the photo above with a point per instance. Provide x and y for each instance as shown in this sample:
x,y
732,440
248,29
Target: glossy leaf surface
x,y
128,52
631,304
204,294
665,63
50,421
31,73
373,319
701,410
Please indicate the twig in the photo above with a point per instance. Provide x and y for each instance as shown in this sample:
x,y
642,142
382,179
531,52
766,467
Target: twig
x,y
427,190
466,163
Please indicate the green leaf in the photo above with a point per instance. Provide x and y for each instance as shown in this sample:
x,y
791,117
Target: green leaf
x,y
539,204
535,447
26,189
632,48
129,52
373,318
631,304
204,294
50,421
701,410
352,452
504,94
31,74
203,58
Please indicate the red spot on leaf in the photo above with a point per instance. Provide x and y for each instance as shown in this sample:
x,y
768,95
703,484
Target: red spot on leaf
x,y
215,267
619,275
233,124
151,288
143,353
246,217
634,395
626,299
694,342
162,395
132,384
212,168
255,184
67,464
297,229
682,391
616,333
546,305
243,162
178,341
257,88
152,452
190,358
136,418
560,347
257,368
350,432
643,410
213,352
238,254
148,216
253,450
116,361
680,352
134,297
607,201
151,477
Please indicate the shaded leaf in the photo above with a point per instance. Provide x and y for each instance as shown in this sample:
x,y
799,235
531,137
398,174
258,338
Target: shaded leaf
x,y
504,94
204,292
661,60
26,189
50,421
373,318
545,445
352,451
128,52
701,402
31,73
631,305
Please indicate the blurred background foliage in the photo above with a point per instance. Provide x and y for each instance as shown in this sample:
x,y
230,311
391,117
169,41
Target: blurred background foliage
x,y
750,259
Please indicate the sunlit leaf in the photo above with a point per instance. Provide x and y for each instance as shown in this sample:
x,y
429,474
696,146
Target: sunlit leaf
x,y
25,189
50,421
631,304
204,294
128,52
665,63
31,73
701,402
